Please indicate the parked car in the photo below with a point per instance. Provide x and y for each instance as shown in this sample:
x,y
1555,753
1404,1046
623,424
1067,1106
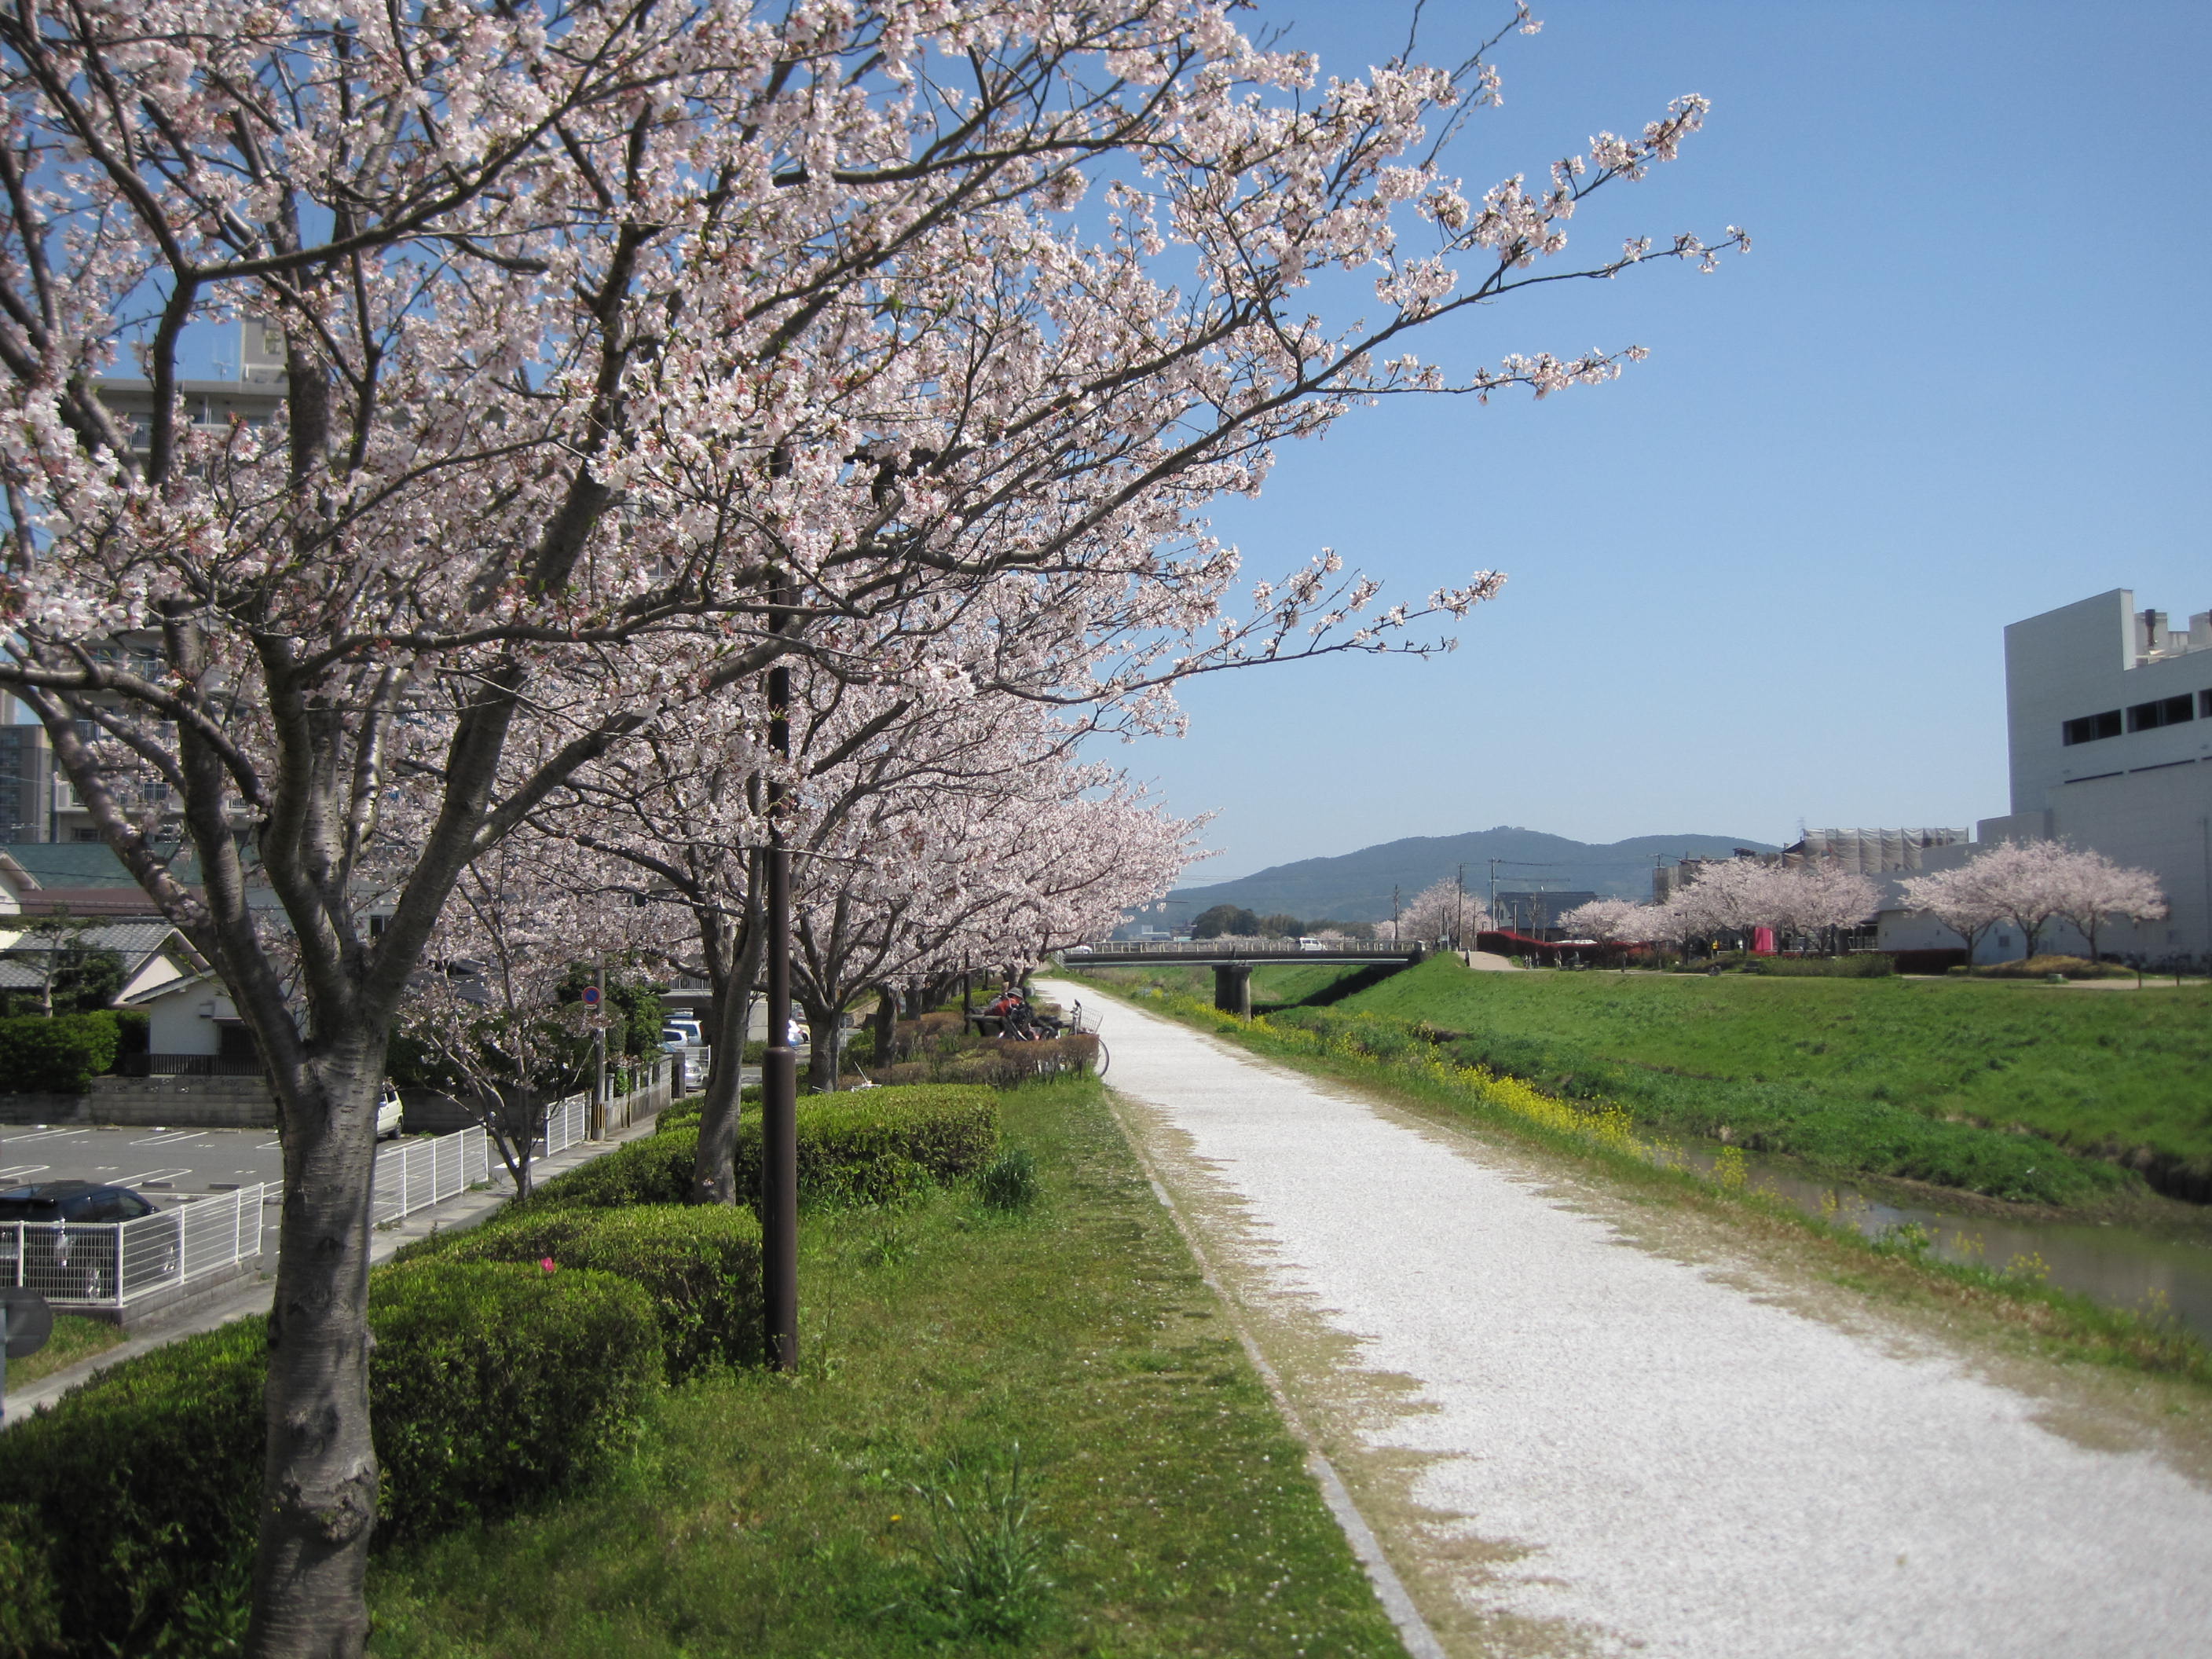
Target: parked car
x,y
54,1250
72,1200
390,1114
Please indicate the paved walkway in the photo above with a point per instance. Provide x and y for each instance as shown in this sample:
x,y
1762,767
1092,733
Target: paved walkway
x,y
252,1294
1574,1438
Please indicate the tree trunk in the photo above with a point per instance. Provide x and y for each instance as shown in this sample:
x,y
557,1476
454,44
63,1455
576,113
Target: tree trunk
x,y
713,1168
320,1478
883,1025
822,1045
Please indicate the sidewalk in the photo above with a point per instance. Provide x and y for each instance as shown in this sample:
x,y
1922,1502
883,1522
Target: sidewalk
x,y
252,1295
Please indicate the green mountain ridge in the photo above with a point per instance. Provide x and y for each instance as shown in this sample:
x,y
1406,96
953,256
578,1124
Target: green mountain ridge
x,y
1357,886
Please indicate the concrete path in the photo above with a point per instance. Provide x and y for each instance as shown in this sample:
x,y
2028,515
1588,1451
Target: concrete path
x,y
241,1299
1573,1435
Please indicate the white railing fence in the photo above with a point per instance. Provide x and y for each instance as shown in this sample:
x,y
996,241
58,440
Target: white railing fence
x,y
111,1264
417,1174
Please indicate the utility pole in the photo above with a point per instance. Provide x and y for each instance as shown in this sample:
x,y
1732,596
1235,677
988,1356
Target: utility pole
x,y
598,1125
1459,914
778,1065
1393,913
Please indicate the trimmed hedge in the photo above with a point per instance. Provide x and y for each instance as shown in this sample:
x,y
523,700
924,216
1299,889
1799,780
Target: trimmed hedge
x,y
495,1382
490,1384
700,1264
655,1169
866,1146
140,1490
870,1147
56,1056
874,1145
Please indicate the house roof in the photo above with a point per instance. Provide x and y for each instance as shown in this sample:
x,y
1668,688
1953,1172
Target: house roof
x,y
134,940
169,988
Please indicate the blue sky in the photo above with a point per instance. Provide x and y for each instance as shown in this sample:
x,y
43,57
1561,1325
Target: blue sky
x,y
1961,378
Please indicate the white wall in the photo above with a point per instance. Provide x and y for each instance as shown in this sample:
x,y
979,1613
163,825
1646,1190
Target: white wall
x,y
175,1025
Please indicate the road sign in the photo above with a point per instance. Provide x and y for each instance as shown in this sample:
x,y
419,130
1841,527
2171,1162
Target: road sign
x,y
26,1323
29,1320
591,996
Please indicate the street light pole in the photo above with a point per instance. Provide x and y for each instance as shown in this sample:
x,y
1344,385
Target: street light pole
x,y
778,1065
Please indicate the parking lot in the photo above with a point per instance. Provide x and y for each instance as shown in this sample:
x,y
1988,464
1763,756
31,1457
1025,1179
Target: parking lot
x,y
151,1161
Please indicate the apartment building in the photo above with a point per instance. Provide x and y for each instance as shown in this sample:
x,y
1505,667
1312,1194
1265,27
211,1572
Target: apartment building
x,y
2109,730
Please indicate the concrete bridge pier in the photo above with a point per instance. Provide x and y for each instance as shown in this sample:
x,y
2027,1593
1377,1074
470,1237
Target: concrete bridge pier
x,y
1232,988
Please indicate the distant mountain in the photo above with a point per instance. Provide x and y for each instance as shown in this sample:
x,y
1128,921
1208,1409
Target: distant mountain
x,y
1356,886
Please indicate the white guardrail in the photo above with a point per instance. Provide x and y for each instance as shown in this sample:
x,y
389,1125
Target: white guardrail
x,y
110,1264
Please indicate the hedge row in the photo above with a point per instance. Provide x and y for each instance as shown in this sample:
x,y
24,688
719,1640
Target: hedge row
x,y
869,1147
56,1056
127,1512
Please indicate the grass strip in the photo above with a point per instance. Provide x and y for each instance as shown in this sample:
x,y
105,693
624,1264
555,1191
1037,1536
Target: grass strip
x,y
1027,1429
74,1338
2014,1304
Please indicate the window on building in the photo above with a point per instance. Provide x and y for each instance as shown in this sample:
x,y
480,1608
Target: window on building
x,y
2166,711
2204,705
2090,728
79,833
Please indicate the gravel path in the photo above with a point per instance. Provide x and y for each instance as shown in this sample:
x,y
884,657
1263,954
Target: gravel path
x,y
1572,1442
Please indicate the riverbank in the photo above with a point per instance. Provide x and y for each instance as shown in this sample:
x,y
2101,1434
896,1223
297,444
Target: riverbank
x,y
2008,1305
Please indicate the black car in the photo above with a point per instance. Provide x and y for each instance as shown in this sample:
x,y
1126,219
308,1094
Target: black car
x,y
71,1200
62,1250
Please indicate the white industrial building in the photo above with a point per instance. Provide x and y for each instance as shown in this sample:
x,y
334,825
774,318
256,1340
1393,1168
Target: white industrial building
x,y
2109,720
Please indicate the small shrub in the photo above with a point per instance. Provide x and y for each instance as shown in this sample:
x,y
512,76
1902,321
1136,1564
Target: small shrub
x,y
494,1384
58,1056
699,1263
145,1485
1009,1181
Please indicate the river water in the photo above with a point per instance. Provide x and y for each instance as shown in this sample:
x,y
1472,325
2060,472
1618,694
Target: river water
x,y
2110,1262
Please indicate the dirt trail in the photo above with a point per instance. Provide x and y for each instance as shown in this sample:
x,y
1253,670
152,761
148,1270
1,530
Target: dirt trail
x,y
1576,1434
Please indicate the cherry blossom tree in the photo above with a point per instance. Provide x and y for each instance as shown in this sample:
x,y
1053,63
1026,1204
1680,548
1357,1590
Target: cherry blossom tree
x,y
2028,881
1819,897
2093,890
627,353
1442,913
1614,923
489,1005
1962,899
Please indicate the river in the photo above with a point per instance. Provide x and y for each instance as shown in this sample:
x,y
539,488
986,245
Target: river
x,y
2110,1262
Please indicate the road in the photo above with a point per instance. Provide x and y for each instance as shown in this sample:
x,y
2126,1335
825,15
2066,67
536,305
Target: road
x,y
1578,1428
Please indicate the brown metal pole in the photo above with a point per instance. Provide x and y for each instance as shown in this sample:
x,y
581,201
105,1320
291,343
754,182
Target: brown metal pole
x,y
779,1072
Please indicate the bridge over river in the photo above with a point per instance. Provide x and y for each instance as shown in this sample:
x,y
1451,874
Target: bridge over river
x,y
1233,960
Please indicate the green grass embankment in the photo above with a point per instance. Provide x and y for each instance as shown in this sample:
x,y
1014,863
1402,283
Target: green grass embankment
x,y
1168,1512
2022,1092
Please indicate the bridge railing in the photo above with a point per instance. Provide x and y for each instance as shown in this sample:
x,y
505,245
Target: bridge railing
x,y
1241,949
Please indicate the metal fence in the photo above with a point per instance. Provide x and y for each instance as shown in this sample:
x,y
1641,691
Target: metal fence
x,y
417,1174
111,1264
